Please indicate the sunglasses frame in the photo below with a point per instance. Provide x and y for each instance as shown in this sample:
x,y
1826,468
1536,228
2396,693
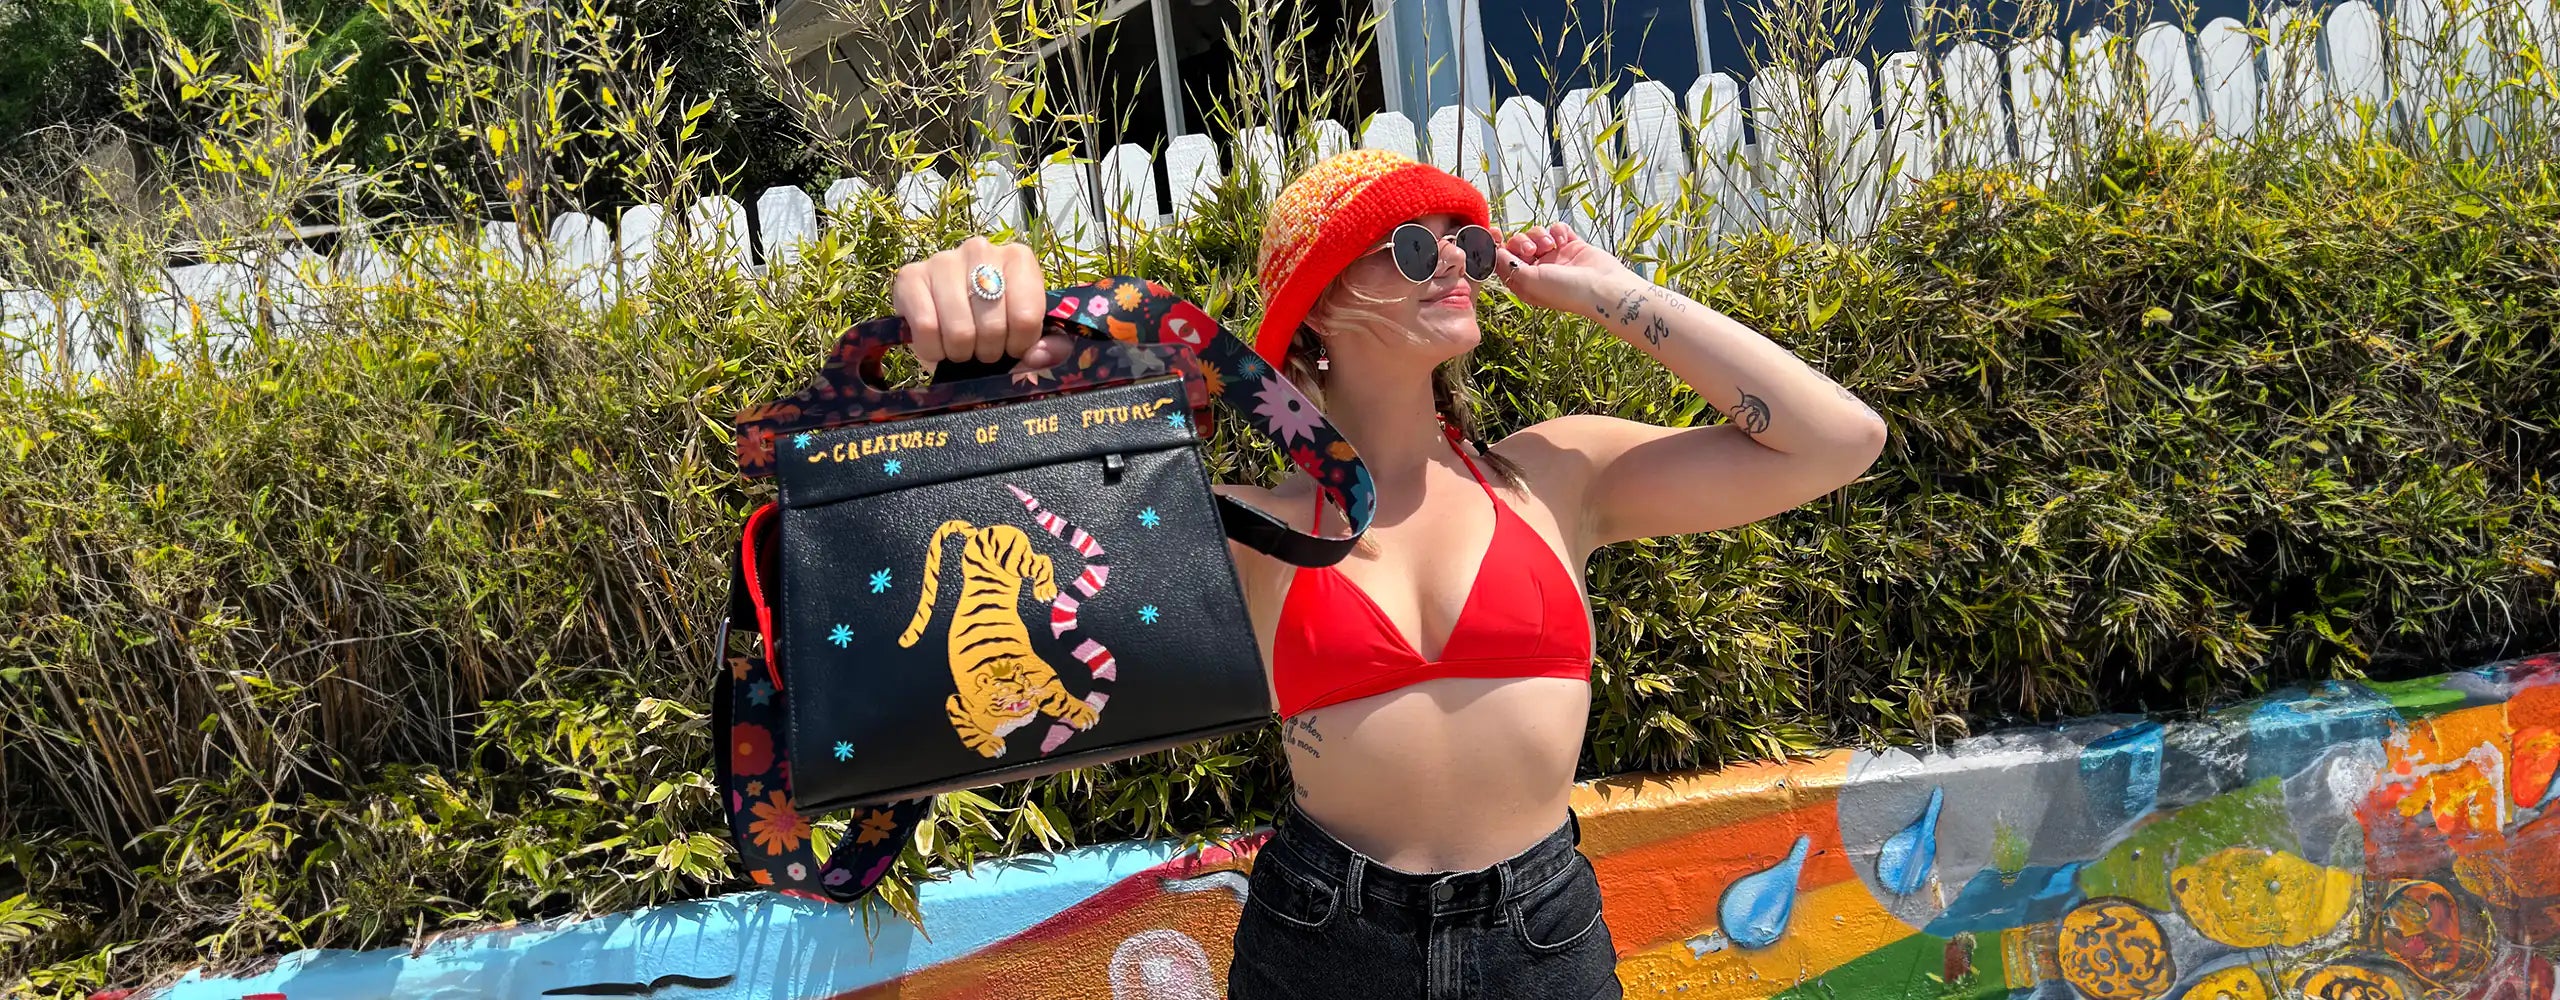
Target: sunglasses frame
x,y
1396,248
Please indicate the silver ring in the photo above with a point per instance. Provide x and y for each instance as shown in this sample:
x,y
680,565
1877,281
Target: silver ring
x,y
986,282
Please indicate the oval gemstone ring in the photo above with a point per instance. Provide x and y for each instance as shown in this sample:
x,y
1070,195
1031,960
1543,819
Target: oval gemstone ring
x,y
986,282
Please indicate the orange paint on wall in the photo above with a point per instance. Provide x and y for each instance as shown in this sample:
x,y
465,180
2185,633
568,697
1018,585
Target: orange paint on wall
x,y
1832,926
1667,890
1633,810
2452,769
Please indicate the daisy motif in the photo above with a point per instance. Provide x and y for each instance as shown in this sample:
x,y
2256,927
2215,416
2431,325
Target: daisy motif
x,y
797,871
1287,414
842,636
1249,368
1096,306
880,581
759,692
890,467
844,750
1147,518
801,440
1148,614
839,876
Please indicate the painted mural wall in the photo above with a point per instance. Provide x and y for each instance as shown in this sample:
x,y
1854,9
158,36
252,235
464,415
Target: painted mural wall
x,y
2349,842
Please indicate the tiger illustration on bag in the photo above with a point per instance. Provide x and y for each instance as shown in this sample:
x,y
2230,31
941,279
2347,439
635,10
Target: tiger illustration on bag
x,y
1003,685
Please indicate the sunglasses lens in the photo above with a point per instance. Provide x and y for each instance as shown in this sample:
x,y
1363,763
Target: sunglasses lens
x,y
1477,244
1417,252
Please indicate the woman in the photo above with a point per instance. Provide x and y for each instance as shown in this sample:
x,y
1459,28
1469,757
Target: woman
x,y
1434,687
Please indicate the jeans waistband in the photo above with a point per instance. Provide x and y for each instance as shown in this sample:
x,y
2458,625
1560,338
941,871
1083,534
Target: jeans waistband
x,y
1301,843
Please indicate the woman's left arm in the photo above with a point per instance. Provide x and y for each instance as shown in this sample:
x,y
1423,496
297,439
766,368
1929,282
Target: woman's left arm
x,y
1792,435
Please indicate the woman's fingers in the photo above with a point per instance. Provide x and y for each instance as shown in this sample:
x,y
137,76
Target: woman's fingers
x,y
986,315
1048,350
949,286
911,297
1026,300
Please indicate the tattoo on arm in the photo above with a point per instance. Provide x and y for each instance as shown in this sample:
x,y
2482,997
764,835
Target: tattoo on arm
x,y
1301,733
1655,329
1751,414
1630,304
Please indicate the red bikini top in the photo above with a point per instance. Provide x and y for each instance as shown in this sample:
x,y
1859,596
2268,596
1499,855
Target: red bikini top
x,y
1523,617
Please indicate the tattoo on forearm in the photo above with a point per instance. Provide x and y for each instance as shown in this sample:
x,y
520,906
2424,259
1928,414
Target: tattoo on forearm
x,y
1655,329
1751,414
1630,304
1301,733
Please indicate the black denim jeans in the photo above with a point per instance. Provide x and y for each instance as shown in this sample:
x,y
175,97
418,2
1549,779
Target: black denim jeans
x,y
1322,922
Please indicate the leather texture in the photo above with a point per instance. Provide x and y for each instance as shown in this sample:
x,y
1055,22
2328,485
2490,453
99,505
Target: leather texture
x,y
1066,521
959,592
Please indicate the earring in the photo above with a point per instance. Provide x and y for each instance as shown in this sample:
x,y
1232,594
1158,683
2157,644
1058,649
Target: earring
x,y
1324,358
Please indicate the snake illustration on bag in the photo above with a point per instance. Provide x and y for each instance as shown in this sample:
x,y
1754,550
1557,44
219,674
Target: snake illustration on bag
x,y
1003,684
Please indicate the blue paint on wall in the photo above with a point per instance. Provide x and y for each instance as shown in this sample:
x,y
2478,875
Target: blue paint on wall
x,y
1903,863
775,945
1756,907
2120,773
1993,902
2290,731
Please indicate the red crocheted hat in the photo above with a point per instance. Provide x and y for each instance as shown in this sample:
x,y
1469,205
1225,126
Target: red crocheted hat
x,y
1331,216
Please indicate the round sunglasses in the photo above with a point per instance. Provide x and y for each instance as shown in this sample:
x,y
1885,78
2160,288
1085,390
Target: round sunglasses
x,y
1417,251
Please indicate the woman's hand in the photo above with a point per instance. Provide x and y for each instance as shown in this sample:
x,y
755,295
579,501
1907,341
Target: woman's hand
x,y
945,321
1552,268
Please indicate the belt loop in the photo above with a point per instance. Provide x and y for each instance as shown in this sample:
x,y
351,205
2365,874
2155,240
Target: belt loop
x,y
1351,879
1502,876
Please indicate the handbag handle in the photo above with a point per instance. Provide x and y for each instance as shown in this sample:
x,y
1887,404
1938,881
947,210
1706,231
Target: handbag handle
x,y
1141,329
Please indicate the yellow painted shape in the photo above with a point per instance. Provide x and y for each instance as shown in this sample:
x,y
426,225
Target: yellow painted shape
x,y
2343,981
1637,809
1832,926
2111,950
2239,982
2249,898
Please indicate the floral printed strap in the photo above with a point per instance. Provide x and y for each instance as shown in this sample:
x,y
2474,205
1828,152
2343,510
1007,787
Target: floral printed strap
x,y
751,714
1240,380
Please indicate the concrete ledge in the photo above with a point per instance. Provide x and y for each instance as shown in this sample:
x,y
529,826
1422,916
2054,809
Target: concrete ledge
x,y
2345,842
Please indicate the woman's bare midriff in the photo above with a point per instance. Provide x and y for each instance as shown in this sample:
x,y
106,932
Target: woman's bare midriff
x,y
1453,774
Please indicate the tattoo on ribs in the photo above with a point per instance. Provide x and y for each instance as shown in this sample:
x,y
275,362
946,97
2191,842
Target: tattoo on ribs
x,y
1752,413
1301,732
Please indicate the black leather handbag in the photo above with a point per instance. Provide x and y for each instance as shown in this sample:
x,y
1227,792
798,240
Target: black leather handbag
x,y
996,577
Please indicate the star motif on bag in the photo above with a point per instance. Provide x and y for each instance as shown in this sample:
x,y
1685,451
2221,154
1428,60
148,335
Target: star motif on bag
x,y
890,467
844,750
1149,518
759,692
1148,614
880,581
842,636
801,440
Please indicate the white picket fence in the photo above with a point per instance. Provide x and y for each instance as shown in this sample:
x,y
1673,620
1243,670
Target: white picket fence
x,y
1679,166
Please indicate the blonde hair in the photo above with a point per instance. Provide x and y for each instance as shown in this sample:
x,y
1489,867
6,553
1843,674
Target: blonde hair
x,y
1341,307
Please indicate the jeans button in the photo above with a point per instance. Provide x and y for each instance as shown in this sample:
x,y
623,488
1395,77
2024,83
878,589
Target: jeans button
x,y
1442,892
